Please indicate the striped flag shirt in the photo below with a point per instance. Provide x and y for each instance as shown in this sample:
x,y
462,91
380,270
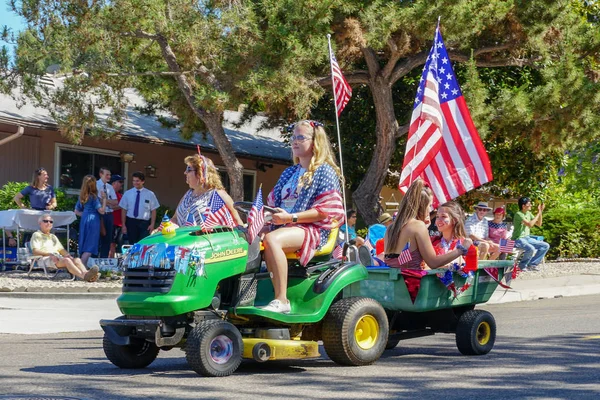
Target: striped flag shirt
x,y
443,145
341,88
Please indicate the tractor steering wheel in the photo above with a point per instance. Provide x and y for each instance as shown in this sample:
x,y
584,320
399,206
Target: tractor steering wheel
x,y
245,206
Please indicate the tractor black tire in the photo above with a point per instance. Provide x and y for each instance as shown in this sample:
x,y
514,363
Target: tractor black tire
x,y
139,354
208,337
475,332
391,344
348,319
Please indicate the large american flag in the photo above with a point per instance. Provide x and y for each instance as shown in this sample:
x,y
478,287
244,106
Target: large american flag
x,y
218,213
443,145
256,216
341,88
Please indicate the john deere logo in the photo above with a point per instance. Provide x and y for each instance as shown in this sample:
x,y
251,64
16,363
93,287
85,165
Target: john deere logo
x,y
228,253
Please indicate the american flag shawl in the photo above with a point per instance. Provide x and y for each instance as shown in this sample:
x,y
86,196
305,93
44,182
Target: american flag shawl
x,y
194,205
218,213
322,194
443,145
256,216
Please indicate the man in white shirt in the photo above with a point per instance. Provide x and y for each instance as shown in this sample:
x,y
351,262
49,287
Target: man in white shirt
x,y
103,185
477,229
139,209
45,244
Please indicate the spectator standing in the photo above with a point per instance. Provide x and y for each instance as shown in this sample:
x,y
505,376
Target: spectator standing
x,y
41,195
498,229
116,182
478,230
89,207
535,249
47,245
139,209
103,185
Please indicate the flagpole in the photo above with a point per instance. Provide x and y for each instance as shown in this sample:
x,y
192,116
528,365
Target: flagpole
x,y
337,124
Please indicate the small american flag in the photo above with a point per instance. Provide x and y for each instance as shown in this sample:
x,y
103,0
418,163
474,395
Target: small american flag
x,y
507,245
256,216
341,88
405,256
218,213
368,244
338,251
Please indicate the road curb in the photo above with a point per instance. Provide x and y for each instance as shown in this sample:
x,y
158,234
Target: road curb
x,y
507,296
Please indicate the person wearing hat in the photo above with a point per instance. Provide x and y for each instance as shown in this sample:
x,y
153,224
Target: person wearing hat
x,y
477,229
116,182
498,228
534,249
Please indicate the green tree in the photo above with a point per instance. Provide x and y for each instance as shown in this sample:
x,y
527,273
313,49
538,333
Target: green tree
x,y
186,57
552,47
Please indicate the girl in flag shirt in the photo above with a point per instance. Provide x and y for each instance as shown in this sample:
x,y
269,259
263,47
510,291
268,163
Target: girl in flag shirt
x,y
408,233
203,179
450,223
309,204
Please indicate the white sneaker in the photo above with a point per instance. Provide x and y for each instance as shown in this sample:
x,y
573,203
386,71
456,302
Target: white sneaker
x,y
278,307
534,268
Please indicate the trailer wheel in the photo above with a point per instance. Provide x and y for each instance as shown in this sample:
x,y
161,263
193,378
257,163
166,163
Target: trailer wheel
x,y
355,331
139,354
214,348
391,343
476,332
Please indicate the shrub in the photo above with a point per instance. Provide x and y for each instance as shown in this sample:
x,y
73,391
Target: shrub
x,y
571,232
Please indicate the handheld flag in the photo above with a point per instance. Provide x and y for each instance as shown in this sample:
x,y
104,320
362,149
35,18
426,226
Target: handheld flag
x,y
338,251
218,213
256,216
405,256
507,245
341,89
443,145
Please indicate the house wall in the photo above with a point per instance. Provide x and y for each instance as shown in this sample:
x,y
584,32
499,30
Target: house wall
x,y
37,147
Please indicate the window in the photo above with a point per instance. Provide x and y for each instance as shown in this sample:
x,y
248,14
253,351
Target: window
x,y
75,163
249,179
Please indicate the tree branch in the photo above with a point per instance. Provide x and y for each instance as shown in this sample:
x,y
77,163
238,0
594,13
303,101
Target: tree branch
x,y
372,61
140,35
148,73
394,57
408,65
401,131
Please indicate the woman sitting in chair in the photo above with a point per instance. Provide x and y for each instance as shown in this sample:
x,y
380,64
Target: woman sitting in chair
x,y
309,204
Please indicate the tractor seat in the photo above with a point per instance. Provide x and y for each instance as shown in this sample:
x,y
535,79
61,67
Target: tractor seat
x,y
323,254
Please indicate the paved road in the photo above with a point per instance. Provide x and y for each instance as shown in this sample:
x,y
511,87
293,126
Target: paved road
x,y
546,349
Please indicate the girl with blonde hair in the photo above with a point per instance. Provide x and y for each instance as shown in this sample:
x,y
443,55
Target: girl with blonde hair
x,y
203,179
308,200
409,232
89,207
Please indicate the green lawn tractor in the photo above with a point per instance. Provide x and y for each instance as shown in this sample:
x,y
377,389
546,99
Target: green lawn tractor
x,y
202,292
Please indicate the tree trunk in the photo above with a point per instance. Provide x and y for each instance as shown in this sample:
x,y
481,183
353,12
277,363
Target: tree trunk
x,y
366,195
235,169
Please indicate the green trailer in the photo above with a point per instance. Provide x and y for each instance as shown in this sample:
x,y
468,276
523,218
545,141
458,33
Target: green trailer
x,y
435,309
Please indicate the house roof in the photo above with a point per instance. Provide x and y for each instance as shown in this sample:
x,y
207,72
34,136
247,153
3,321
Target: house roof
x,y
247,140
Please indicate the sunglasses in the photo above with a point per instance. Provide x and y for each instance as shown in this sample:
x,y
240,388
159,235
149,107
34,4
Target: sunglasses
x,y
48,221
300,138
189,169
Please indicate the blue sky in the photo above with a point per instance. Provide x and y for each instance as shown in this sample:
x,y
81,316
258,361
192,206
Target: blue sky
x,y
12,20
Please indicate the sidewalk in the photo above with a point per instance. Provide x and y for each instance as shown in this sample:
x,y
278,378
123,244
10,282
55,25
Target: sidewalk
x,y
543,288
555,280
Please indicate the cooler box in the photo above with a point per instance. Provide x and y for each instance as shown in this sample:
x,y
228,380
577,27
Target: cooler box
x,y
11,254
